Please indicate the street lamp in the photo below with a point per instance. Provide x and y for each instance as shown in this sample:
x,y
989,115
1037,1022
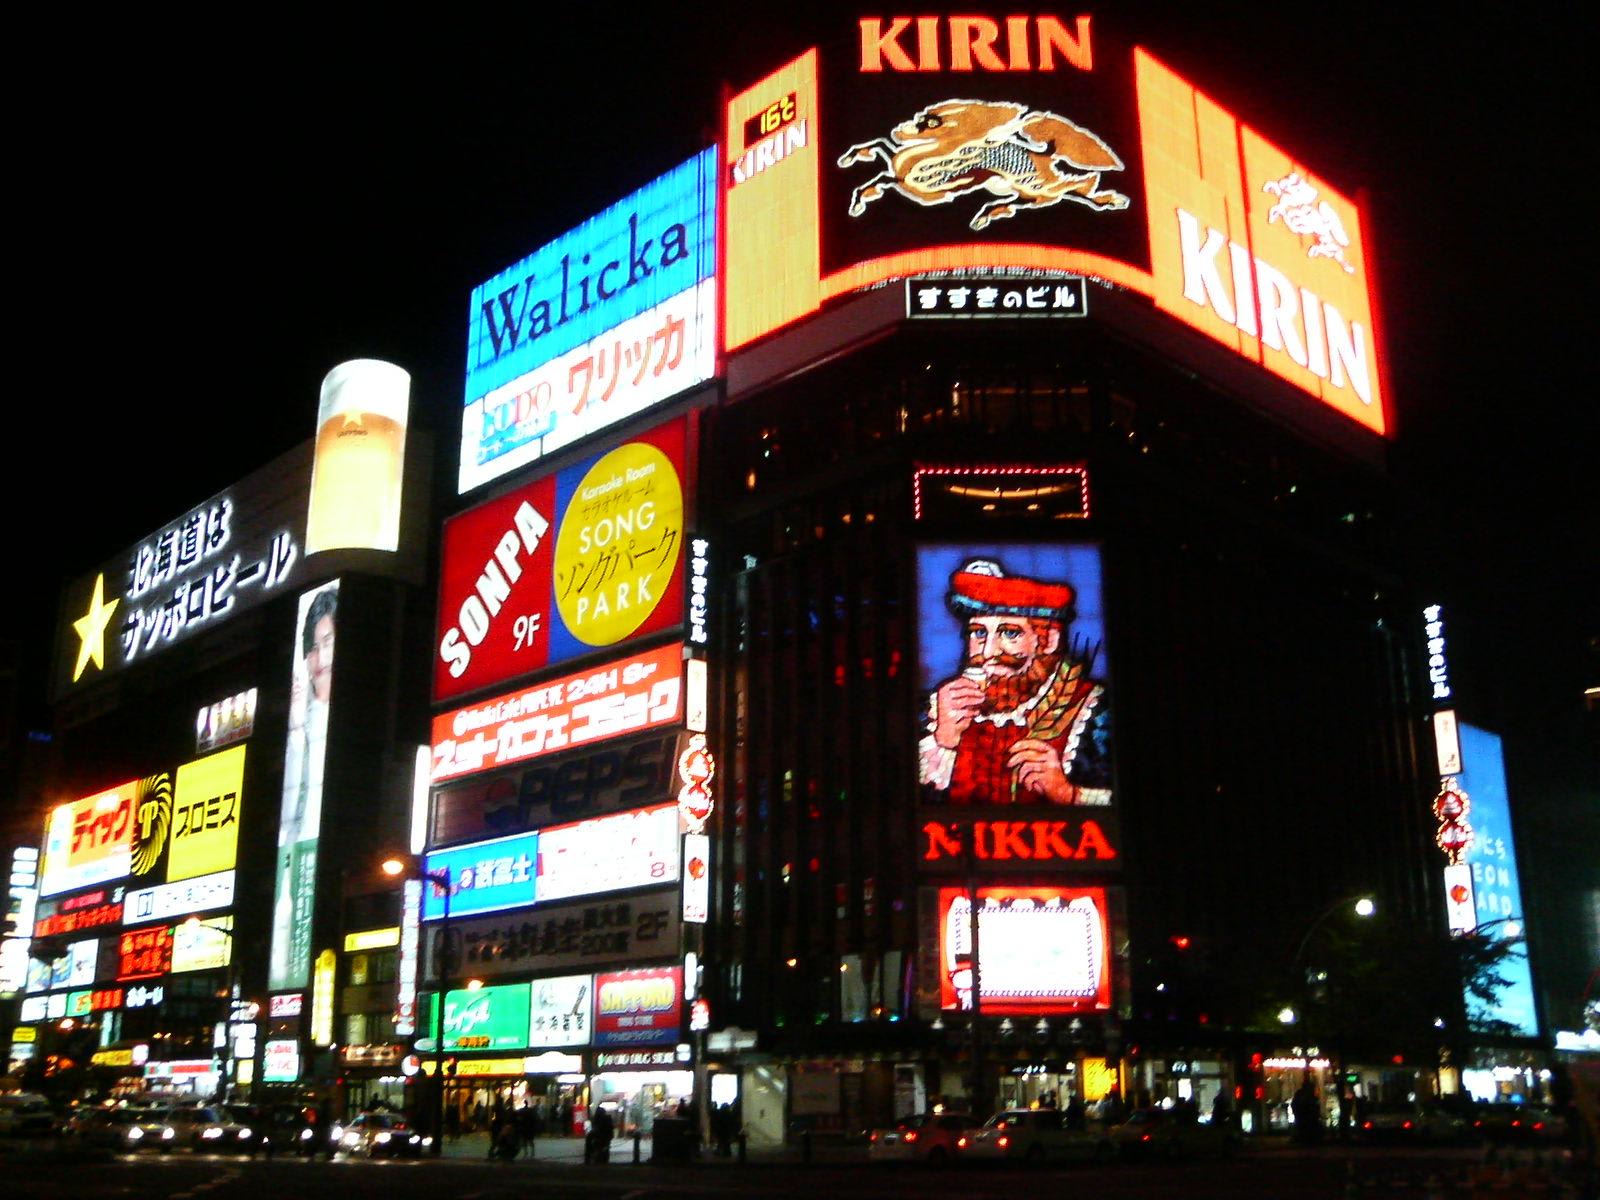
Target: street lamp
x,y
194,924
395,868
1363,906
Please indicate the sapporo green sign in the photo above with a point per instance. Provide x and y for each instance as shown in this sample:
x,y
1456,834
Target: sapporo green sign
x,y
486,1018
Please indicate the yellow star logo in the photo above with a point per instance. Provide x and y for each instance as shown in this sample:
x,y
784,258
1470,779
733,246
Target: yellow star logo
x,y
91,629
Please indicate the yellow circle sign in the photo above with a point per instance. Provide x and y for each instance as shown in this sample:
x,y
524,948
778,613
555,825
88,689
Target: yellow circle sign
x,y
618,544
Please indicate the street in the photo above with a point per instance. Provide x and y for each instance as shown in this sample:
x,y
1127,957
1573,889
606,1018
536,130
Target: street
x,y
1266,1173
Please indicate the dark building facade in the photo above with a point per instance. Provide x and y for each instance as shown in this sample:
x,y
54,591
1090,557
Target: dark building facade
x,y
1262,674
185,942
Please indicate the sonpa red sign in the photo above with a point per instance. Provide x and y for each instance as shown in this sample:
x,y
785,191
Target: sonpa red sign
x,y
581,559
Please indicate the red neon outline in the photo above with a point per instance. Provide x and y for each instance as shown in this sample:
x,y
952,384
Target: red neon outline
x,y
965,257
1081,470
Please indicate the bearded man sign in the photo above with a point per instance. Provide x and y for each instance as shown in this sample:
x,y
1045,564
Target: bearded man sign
x,y
1024,721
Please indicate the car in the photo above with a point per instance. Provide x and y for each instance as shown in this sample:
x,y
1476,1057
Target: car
x,y
25,1114
1176,1132
1503,1121
929,1138
1035,1136
122,1128
1413,1121
378,1135
210,1129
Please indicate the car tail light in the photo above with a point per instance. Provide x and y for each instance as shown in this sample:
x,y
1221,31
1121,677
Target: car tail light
x,y
1366,1125
1538,1124
1478,1124
910,1135
1407,1125
874,1136
1144,1137
1516,1124
961,1142
1003,1142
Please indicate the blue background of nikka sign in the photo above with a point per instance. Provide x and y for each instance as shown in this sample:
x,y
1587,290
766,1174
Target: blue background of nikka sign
x,y
686,195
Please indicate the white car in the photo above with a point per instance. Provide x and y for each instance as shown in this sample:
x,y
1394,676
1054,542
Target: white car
x,y
931,1138
1035,1136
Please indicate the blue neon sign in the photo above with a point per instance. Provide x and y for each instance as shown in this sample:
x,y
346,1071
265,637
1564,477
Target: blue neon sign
x,y
650,246
1496,889
484,876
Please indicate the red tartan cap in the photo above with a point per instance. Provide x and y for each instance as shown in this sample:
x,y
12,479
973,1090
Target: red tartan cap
x,y
982,588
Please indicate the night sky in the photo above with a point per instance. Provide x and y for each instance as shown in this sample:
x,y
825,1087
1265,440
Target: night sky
x,y
210,219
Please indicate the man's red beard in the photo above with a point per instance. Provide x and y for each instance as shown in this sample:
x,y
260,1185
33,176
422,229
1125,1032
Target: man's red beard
x,y
1002,693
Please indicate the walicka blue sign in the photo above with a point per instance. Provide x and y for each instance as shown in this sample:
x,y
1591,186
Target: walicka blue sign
x,y
656,244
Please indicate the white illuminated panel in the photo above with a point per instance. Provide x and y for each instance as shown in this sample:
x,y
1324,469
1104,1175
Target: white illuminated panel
x,y
559,1011
281,1062
696,878
197,895
1447,741
1037,950
1460,904
1041,950
608,854
202,946
405,1009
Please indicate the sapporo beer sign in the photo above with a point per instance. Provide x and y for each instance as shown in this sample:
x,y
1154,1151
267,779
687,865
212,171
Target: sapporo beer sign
x,y
575,561
1040,145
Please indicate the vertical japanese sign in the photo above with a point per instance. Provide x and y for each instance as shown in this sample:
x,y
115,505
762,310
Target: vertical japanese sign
x,y
22,903
300,817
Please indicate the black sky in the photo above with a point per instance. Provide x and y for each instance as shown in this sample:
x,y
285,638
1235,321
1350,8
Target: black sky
x,y
209,216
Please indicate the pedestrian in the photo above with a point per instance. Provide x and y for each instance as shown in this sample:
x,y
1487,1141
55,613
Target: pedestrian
x,y
1112,1110
1222,1109
722,1126
1077,1115
603,1128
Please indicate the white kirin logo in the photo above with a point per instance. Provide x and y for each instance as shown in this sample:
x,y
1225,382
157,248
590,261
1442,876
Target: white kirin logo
x,y
1304,214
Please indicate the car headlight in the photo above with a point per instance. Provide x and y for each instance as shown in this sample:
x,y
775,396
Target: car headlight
x,y
210,1133
305,1135
427,1141
135,1133
415,1139
381,1139
352,1139
167,1132
338,1133
247,1133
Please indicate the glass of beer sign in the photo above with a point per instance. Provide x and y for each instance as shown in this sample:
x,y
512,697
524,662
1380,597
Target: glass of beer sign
x,y
360,456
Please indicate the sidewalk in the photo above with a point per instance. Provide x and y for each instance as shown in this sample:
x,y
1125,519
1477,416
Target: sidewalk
x,y
568,1151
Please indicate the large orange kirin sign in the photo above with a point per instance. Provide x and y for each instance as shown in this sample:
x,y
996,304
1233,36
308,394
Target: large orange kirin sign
x,y
973,143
